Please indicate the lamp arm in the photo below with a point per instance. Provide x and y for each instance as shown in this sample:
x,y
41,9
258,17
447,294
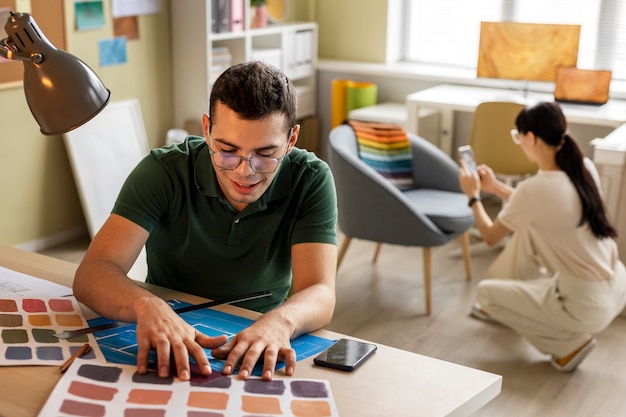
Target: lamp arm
x,y
9,53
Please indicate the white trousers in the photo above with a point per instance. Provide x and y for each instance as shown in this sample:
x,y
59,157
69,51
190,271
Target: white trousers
x,y
556,314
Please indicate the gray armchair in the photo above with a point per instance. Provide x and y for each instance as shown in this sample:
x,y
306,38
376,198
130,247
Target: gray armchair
x,y
430,214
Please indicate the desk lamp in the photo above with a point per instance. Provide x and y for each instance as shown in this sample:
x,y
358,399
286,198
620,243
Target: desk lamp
x,y
61,90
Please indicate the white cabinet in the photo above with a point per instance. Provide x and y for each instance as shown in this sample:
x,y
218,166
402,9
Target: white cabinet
x,y
199,55
609,155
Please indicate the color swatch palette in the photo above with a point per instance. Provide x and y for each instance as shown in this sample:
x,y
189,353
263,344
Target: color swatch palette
x,y
28,325
99,390
119,345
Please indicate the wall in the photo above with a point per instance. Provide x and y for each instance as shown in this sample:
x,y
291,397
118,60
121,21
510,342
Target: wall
x,y
40,202
352,29
344,25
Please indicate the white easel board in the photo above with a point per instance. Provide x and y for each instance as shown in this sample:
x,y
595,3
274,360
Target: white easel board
x,y
102,153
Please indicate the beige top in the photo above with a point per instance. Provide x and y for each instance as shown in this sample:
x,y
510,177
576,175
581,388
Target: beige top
x,y
547,207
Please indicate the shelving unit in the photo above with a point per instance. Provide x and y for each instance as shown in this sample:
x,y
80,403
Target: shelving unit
x,y
290,46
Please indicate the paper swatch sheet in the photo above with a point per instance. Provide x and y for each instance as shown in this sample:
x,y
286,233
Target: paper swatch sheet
x,y
17,283
88,389
28,325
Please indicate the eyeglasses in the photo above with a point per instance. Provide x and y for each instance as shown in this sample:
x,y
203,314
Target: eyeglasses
x,y
515,136
259,164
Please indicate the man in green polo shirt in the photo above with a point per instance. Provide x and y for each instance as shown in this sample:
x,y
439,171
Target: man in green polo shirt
x,y
239,211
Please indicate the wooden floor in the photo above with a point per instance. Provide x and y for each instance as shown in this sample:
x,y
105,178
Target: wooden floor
x,y
383,302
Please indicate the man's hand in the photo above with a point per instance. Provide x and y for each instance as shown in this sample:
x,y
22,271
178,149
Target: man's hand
x,y
160,328
265,339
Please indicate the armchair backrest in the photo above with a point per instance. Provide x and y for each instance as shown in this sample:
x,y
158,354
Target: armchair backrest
x,y
432,167
370,206
491,139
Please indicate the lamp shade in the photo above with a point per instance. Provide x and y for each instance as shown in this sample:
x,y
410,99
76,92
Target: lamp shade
x,y
61,90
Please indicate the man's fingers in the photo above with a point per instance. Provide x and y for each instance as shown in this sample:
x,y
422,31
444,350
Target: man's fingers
x,y
290,358
208,342
222,352
143,351
270,357
244,354
162,347
197,346
181,358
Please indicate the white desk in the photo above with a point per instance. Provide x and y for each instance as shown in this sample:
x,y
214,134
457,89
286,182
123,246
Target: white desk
x,y
449,98
393,382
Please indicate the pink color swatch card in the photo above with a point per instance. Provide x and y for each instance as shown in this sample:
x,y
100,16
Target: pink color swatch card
x,y
28,325
97,389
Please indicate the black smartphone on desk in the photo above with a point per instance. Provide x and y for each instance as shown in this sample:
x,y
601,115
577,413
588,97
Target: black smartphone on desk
x,y
467,155
345,354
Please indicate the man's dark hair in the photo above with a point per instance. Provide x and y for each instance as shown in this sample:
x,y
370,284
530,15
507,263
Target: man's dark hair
x,y
254,91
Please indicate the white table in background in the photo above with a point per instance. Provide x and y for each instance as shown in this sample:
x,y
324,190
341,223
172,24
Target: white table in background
x,y
447,99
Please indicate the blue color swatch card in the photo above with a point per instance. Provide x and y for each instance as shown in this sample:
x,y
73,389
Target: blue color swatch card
x,y
119,345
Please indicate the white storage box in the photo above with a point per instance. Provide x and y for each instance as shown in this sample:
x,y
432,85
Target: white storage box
x,y
270,56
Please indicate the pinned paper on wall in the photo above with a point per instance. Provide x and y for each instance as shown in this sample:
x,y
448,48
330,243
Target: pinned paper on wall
x,y
89,15
28,325
112,51
349,95
89,389
127,27
122,8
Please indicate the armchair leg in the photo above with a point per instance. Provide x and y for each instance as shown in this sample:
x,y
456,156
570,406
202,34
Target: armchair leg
x,y
376,252
426,255
343,249
467,257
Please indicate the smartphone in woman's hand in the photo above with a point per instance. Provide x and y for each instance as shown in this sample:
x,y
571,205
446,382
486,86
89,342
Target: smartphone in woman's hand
x,y
467,155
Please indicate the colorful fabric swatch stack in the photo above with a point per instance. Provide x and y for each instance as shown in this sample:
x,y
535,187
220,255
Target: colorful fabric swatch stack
x,y
387,149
